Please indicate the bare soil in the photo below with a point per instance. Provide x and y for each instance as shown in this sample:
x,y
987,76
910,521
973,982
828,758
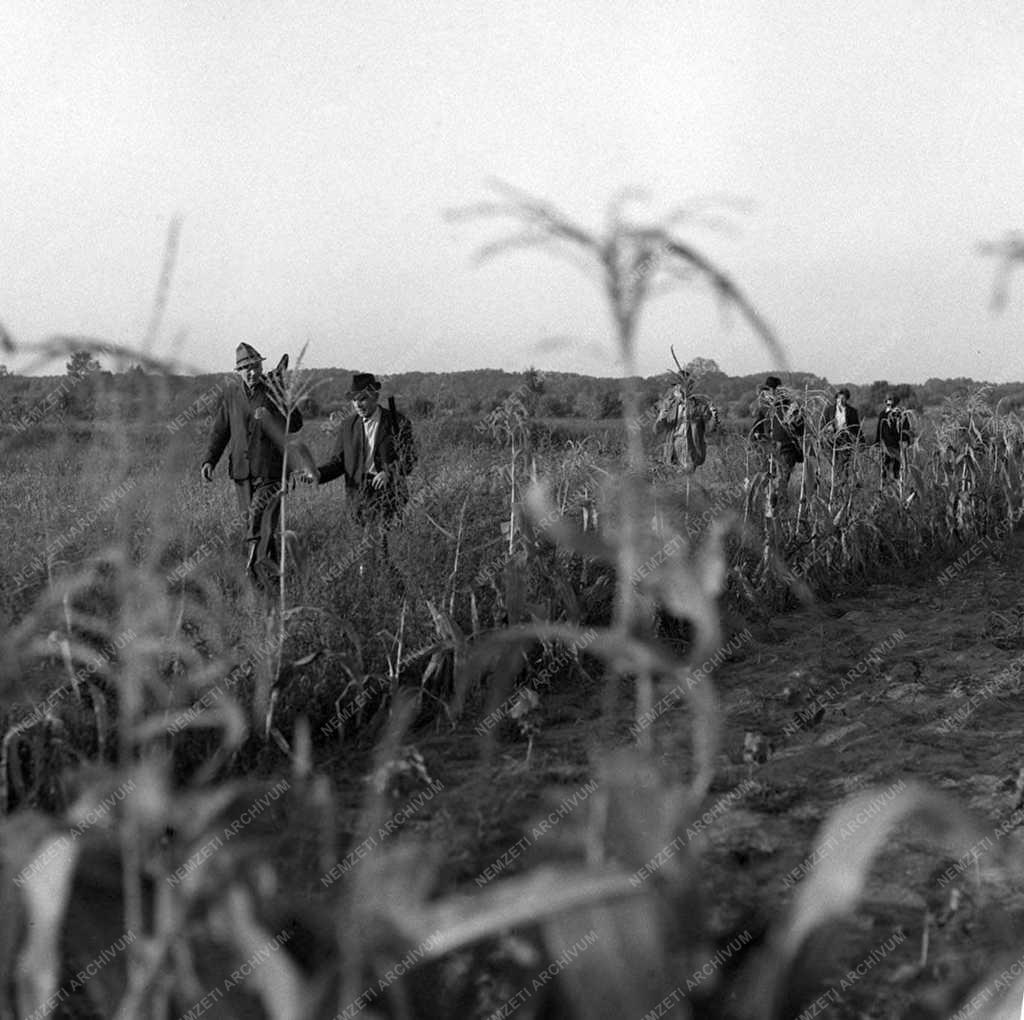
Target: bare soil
x,y
924,710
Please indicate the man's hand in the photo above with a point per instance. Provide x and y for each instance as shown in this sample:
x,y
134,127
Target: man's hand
x,y
306,476
259,414
380,479
207,472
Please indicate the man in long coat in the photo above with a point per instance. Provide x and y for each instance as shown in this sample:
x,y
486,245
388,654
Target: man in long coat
x,y
685,416
252,426
374,452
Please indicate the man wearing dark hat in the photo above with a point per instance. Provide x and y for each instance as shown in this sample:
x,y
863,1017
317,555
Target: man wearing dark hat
x,y
374,452
251,424
841,421
778,420
892,433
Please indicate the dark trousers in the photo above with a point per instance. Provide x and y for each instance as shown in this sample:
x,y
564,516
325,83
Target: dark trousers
x,y
377,508
890,461
376,511
777,460
787,456
259,503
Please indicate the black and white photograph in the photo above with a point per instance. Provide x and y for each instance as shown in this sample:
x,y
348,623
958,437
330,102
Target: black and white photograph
x,y
512,510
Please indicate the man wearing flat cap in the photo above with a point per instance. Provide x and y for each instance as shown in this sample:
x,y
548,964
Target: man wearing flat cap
x,y
374,452
252,425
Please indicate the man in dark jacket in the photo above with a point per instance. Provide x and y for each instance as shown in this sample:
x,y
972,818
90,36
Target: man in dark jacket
x,y
251,425
374,452
778,420
841,422
892,433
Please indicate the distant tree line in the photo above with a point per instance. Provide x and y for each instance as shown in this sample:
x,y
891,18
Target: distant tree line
x,y
86,392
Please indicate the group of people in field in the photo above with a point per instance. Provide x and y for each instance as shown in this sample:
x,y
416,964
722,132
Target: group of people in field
x,y
374,449
373,452
686,417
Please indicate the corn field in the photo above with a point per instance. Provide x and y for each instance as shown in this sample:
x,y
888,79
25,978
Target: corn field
x,y
215,808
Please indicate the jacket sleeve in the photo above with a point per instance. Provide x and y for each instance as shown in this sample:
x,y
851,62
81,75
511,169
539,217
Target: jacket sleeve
x,y
758,429
219,434
335,465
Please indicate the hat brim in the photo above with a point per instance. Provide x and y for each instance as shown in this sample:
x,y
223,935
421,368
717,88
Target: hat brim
x,y
239,365
352,394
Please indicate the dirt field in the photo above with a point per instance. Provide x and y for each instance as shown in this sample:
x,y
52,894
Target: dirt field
x,y
934,709
908,675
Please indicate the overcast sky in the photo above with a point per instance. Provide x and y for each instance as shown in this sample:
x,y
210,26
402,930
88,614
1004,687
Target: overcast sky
x,y
312,149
